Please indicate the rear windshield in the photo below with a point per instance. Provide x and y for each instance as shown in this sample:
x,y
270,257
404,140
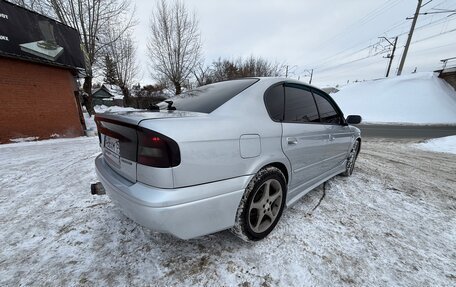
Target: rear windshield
x,y
207,98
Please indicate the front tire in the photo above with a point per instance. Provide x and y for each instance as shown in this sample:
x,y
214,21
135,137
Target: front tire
x,y
261,206
352,159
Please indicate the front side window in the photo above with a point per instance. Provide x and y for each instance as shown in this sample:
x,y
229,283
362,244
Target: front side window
x,y
300,105
328,114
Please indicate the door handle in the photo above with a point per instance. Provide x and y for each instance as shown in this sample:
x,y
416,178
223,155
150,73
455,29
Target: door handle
x,y
331,138
292,141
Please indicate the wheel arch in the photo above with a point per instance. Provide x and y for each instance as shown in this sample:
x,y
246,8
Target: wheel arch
x,y
281,166
360,141
241,228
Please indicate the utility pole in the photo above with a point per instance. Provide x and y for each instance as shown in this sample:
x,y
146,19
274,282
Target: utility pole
x,y
309,73
391,57
286,71
409,39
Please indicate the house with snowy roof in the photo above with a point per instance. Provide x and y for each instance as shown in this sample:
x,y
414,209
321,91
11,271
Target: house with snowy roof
x,y
108,95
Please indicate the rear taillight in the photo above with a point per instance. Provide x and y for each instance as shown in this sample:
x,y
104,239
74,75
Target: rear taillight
x,y
156,150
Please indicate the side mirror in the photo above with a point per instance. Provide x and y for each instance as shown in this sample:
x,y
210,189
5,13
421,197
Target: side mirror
x,y
353,120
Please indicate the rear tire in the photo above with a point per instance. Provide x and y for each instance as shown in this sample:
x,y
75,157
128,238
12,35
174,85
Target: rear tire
x,y
352,159
261,206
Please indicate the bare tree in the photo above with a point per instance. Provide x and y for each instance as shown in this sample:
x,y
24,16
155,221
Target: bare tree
x,y
122,51
203,75
35,5
223,69
94,20
258,67
174,46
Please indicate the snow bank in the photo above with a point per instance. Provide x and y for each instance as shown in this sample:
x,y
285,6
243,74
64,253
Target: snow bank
x,y
445,144
421,98
39,143
89,121
27,139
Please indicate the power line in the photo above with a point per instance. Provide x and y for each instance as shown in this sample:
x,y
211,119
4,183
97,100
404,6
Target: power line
x,y
343,70
336,68
395,26
324,67
352,61
321,70
433,36
345,56
367,18
426,3
391,28
348,52
427,50
438,12
432,23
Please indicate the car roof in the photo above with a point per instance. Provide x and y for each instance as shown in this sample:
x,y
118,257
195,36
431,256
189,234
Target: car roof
x,y
273,80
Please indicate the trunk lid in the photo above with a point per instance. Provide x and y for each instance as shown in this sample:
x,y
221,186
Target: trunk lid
x,y
118,136
135,117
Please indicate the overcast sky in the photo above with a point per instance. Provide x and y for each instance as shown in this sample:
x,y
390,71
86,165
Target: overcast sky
x,y
329,36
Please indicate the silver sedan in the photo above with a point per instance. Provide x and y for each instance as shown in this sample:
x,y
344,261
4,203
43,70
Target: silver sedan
x,y
230,155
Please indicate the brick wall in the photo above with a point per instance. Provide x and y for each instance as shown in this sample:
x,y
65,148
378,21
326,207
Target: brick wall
x,y
36,100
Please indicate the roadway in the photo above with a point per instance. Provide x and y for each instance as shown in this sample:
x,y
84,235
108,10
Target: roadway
x,y
406,131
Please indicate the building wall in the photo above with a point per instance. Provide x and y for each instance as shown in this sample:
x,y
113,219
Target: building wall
x,y
37,101
101,94
101,97
449,75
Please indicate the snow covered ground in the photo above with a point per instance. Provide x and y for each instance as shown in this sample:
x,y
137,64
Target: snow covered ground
x,y
445,144
393,223
421,98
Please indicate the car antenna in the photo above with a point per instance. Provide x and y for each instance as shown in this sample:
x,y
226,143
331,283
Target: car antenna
x,y
170,105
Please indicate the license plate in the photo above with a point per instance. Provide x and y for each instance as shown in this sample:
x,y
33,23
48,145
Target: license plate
x,y
112,150
112,144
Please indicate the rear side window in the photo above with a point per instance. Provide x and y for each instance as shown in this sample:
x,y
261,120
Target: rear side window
x,y
328,114
274,100
207,98
300,106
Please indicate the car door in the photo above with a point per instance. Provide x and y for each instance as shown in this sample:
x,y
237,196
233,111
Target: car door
x,y
340,136
304,139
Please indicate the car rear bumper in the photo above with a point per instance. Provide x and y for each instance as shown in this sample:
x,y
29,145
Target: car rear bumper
x,y
183,212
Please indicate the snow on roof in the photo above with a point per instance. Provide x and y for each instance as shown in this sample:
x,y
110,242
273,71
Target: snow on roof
x,y
114,90
99,109
421,98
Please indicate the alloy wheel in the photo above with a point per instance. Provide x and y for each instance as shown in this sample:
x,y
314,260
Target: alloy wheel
x,y
265,205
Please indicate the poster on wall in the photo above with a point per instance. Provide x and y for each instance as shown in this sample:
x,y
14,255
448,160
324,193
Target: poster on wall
x,y
27,35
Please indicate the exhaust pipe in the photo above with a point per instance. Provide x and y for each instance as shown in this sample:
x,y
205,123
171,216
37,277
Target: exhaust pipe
x,y
97,189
